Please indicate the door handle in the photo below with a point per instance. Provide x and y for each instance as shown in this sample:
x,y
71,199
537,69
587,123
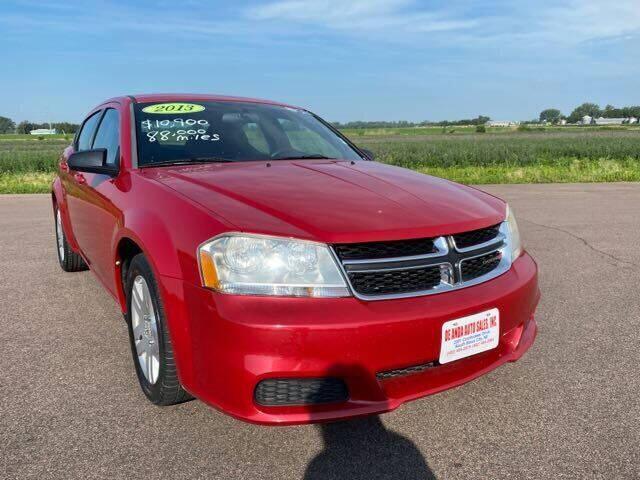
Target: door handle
x,y
80,178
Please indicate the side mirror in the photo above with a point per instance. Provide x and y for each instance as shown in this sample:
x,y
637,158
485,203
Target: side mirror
x,y
368,153
93,161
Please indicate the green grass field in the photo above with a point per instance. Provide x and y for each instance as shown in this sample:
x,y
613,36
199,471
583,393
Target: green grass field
x,y
27,164
503,155
516,157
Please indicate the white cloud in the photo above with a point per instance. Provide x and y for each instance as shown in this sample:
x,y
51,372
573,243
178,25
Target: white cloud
x,y
458,25
568,22
584,20
393,16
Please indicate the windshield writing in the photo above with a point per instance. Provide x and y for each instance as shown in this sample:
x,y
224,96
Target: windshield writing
x,y
235,131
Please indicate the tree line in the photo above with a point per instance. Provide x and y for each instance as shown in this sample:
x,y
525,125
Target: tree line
x,y
479,120
554,115
549,115
9,126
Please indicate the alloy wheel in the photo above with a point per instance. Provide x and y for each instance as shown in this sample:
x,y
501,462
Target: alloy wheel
x,y
59,235
145,329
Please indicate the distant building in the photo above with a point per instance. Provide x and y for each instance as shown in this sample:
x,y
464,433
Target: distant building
x,y
501,123
563,121
43,131
586,120
633,120
610,121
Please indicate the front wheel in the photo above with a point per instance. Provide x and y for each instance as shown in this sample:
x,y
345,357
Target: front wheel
x,y
150,342
69,260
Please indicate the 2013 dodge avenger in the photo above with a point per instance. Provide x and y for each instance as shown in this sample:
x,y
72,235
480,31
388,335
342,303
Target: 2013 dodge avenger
x,y
269,267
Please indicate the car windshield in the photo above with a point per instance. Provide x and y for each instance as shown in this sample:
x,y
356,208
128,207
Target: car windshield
x,y
185,132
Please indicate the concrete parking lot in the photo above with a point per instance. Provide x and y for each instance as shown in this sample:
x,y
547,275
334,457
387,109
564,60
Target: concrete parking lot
x,y
70,406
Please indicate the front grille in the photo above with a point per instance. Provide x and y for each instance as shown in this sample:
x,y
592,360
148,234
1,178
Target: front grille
x,y
300,391
478,266
476,237
401,372
375,250
395,281
404,268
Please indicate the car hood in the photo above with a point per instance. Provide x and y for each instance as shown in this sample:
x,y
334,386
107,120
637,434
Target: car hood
x,y
332,201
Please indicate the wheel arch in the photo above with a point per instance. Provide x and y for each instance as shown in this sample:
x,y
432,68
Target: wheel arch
x,y
153,241
58,201
125,251
56,193
143,232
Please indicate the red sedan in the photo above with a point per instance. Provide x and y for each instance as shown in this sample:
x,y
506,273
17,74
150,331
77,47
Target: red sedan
x,y
269,267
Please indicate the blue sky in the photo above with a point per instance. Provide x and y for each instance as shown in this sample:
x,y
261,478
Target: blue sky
x,y
345,60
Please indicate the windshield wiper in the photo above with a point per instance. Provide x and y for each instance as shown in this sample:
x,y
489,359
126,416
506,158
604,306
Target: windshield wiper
x,y
189,161
306,157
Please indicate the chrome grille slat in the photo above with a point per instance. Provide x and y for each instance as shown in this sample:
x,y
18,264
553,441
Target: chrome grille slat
x,y
492,258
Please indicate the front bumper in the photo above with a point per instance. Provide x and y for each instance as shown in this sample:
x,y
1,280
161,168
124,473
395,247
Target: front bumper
x,y
226,344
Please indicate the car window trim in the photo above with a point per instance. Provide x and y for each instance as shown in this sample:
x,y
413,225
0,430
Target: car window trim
x,y
133,134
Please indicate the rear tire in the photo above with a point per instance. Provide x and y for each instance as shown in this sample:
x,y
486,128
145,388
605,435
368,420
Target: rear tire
x,y
149,337
69,260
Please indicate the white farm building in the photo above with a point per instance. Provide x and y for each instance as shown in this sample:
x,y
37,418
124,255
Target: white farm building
x,y
614,121
609,121
502,123
43,131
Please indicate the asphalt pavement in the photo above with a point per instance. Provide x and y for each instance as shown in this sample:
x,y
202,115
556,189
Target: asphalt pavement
x,y
70,406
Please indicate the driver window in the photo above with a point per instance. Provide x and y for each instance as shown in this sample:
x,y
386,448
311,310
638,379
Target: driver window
x,y
108,135
86,134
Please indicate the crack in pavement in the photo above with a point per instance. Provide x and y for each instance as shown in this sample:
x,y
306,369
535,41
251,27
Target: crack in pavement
x,y
585,242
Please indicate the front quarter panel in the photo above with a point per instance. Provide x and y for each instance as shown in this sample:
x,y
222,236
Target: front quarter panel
x,y
168,228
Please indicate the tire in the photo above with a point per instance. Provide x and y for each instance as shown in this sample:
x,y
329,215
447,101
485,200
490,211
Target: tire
x,y
69,260
151,346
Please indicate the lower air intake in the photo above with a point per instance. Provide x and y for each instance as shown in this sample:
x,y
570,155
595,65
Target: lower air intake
x,y
300,391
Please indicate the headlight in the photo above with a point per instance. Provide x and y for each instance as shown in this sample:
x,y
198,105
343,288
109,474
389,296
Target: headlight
x,y
262,265
514,235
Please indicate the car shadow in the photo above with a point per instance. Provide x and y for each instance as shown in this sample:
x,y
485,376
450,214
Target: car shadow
x,y
364,448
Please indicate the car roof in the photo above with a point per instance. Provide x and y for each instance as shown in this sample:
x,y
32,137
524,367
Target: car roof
x,y
182,97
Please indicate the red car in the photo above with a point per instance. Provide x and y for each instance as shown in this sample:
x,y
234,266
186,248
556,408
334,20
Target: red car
x,y
267,266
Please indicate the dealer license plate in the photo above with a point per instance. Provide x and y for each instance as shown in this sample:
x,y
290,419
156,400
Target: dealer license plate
x,y
470,335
